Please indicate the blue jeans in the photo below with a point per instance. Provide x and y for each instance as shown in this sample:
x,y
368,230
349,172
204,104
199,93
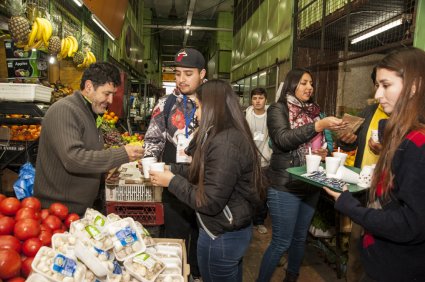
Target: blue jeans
x,y
220,260
291,217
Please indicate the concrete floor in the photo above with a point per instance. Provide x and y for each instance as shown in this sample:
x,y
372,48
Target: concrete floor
x,y
314,268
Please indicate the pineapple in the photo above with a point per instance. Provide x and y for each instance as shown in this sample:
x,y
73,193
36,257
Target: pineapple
x,y
54,45
19,26
78,58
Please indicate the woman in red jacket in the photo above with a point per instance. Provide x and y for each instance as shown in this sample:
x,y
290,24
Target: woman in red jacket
x,y
393,245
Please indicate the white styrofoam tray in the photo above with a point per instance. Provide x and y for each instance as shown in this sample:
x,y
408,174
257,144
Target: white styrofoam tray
x,y
24,92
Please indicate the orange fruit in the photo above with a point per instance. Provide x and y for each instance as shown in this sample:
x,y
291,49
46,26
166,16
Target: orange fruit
x,y
112,114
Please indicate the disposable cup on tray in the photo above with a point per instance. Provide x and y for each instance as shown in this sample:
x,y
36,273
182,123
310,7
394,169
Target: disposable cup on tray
x,y
127,241
58,267
144,267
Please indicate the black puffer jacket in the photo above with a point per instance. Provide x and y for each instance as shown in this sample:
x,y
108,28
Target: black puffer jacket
x,y
285,141
227,181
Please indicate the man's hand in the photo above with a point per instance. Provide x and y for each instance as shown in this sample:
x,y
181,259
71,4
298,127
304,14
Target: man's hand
x,y
134,152
375,147
348,137
159,178
321,152
335,195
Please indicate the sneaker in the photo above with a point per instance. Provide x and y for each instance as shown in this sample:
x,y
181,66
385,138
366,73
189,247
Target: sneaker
x,y
261,229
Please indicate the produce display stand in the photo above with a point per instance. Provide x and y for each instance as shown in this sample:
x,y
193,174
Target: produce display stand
x,y
13,154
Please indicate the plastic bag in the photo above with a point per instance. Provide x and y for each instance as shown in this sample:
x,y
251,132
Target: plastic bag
x,y
24,185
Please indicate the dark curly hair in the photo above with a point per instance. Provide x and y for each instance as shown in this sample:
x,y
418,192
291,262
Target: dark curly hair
x,y
100,74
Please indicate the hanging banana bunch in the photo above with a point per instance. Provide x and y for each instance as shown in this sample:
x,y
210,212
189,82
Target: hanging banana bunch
x,y
41,31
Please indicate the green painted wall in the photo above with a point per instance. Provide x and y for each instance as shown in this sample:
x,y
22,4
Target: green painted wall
x,y
150,57
265,38
419,39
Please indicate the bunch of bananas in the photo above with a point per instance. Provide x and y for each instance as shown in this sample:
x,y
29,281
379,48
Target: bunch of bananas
x,y
69,45
89,59
40,34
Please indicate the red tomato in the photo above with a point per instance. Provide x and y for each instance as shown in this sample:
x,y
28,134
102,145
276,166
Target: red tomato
x,y
6,225
44,213
58,209
27,213
53,222
31,246
16,279
45,236
60,230
10,264
26,228
10,242
70,218
31,202
10,206
26,267
2,197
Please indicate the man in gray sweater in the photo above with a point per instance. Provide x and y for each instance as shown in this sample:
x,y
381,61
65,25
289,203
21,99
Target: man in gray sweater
x,y
71,158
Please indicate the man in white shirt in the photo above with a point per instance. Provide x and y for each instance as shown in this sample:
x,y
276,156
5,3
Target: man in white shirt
x,y
256,115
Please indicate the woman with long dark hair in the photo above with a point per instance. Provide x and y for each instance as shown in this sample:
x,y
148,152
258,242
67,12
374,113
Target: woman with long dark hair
x,y
222,184
393,245
293,122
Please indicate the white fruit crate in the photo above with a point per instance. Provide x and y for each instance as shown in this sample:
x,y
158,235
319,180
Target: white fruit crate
x,y
141,192
25,92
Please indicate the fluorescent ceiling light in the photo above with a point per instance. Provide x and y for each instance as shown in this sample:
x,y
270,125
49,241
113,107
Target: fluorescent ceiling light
x,y
377,31
102,26
79,3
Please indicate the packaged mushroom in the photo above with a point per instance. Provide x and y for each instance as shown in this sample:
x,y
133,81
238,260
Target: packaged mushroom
x,y
126,239
96,218
147,238
64,243
169,278
122,277
100,262
86,230
58,267
145,267
112,217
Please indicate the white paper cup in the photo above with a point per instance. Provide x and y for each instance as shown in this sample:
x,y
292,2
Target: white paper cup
x,y
342,156
146,163
312,162
332,165
374,135
157,167
347,175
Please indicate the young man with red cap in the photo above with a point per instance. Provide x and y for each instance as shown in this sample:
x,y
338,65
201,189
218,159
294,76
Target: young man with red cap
x,y
171,128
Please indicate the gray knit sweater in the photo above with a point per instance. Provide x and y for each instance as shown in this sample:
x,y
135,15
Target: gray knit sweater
x,y
71,158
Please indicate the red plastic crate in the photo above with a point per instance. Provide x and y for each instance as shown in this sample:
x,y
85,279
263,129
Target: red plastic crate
x,y
147,213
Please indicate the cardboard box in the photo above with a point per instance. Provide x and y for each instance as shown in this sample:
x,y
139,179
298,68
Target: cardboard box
x,y
186,267
8,178
12,52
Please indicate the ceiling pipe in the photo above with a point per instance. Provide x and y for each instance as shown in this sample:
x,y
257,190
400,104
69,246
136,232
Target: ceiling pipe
x,y
189,20
182,27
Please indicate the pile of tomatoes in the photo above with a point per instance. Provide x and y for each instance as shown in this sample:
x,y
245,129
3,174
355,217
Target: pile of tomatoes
x,y
24,229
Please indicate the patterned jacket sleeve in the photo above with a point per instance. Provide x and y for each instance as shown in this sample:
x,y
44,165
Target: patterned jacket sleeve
x,y
155,136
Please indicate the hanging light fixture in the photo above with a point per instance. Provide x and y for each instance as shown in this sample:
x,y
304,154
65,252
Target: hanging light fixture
x,y
377,31
102,26
79,3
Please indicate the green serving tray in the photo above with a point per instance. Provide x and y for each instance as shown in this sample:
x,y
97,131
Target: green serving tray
x,y
297,173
